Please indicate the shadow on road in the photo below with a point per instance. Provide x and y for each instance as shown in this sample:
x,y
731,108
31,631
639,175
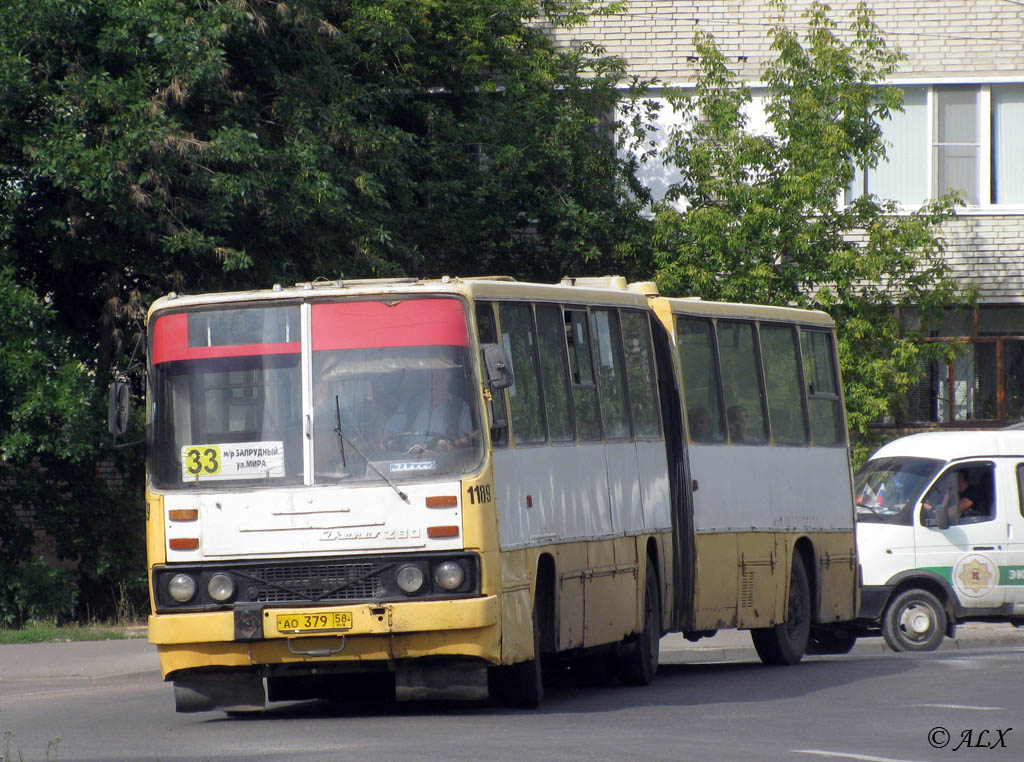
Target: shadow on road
x,y
568,691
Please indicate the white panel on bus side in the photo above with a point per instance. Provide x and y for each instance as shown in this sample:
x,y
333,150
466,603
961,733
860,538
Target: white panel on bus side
x,y
653,469
572,494
754,488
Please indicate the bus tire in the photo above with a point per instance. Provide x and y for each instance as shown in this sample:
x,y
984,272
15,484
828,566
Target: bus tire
x,y
786,643
914,621
638,659
824,642
521,685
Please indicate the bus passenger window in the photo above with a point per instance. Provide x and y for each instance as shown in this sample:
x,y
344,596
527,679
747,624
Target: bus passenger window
x,y
610,375
822,385
782,384
554,372
741,382
643,397
524,395
496,409
584,391
700,380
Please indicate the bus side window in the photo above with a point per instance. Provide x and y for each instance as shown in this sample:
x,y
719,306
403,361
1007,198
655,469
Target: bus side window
x,y
700,380
554,373
525,403
781,361
741,382
643,396
581,370
610,375
488,334
822,384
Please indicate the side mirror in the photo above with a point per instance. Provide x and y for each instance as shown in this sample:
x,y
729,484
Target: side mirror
x,y
118,405
499,372
934,519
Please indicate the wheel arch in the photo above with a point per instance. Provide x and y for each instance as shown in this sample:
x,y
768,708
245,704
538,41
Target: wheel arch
x,y
655,558
804,549
918,579
546,597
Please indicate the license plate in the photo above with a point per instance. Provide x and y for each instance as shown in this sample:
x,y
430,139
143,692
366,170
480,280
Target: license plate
x,y
323,621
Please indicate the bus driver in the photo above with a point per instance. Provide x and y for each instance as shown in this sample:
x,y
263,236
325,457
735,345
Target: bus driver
x,y
439,420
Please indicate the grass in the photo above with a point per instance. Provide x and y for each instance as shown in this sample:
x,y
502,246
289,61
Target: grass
x,y
50,632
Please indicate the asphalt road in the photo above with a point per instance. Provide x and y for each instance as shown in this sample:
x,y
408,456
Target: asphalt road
x,y
710,701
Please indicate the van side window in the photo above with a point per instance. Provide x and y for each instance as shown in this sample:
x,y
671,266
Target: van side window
x,y
964,495
1020,487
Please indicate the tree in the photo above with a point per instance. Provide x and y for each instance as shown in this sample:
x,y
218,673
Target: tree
x,y
49,426
190,145
197,145
763,220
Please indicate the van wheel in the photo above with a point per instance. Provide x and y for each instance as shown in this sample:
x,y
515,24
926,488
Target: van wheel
x,y
638,660
786,643
914,621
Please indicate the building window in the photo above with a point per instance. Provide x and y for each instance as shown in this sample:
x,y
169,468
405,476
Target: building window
x,y
1007,146
964,137
985,381
956,149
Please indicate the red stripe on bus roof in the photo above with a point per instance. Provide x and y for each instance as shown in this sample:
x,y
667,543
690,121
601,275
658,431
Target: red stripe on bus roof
x,y
170,343
404,323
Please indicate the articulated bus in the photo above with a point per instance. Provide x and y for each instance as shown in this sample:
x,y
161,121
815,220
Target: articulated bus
x,y
435,487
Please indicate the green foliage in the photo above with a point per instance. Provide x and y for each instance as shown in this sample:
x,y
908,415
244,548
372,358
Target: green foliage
x,y
36,591
763,220
51,438
188,145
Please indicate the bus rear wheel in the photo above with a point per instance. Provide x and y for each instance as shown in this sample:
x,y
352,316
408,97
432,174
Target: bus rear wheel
x,y
786,643
638,660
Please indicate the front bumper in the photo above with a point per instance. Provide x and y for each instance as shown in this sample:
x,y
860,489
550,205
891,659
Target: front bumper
x,y
380,631
872,601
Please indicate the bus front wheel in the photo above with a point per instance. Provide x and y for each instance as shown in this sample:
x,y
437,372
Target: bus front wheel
x,y
786,643
521,685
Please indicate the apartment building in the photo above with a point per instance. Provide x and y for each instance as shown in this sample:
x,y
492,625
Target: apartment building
x,y
962,127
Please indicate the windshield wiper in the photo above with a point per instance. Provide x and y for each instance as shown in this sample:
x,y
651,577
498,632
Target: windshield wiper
x,y
341,449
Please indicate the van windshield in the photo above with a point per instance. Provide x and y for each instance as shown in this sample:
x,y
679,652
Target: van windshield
x,y
888,488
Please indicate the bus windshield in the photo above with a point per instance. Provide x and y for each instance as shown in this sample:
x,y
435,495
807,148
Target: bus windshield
x,y
388,396
887,489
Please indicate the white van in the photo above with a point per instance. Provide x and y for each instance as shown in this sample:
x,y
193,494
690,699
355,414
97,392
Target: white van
x,y
940,535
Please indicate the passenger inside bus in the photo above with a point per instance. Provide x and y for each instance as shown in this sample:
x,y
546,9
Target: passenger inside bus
x,y
737,417
435,420
701,429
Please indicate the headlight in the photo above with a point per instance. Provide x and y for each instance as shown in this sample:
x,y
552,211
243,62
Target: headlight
x,y
449,575
410,579
182,588
220,587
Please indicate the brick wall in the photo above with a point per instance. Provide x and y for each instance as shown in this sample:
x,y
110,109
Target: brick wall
x,y
947,38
